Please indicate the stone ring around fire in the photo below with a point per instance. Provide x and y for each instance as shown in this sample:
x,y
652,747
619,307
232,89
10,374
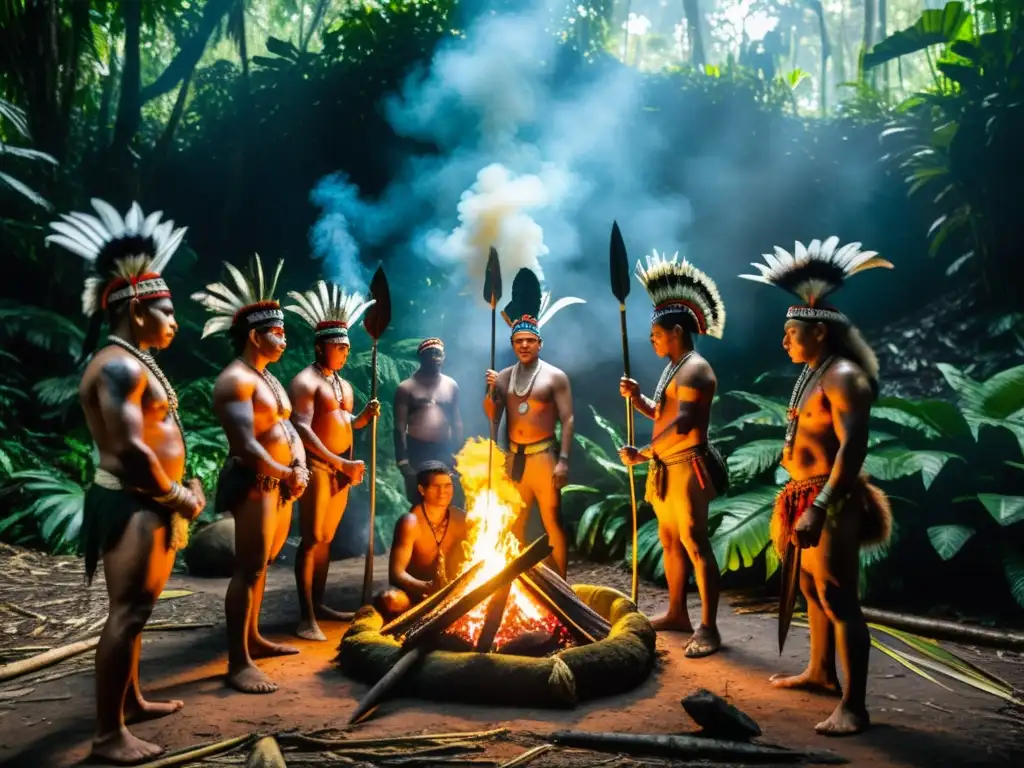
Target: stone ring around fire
x,y
612,665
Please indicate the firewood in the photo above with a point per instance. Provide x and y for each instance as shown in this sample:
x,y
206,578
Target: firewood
x,y
42,660
319,743
410,617
557,591
266,754
376,694
690,748
951,631
440,620
492,623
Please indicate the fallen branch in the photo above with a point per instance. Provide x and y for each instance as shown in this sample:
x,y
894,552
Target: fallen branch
x,y
171,627
42,660
937,629
690,747
197,753
26,613
298,739
376,694
528,756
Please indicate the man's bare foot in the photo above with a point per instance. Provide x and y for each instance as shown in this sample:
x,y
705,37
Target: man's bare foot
x,y
704,642
137,709
309,630
844,722
250,679
816,682
323,613
670,622
261,648
121,748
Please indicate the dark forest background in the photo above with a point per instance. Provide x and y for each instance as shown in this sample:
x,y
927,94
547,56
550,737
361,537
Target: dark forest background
x,y
265,126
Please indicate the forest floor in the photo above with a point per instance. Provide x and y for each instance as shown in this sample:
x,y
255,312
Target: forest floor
x,y
46,718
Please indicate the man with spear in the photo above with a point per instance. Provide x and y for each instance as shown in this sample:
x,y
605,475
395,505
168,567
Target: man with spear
x,y
323,416
686,473
535,396
266,466
828,510
137,511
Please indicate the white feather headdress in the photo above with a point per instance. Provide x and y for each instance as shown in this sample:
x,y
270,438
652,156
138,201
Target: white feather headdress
x,y
678,286
329,311
251,300
814,272
127,254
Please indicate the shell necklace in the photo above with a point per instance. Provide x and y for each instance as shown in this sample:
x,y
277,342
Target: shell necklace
x,y
524,406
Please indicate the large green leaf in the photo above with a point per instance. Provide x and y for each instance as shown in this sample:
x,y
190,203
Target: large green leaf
x,y
617,437
1006,510
934,27
932,418
949,539
998,402
770,411
750,460
594,518
1013,567
891,462
590,448
650,555
743,531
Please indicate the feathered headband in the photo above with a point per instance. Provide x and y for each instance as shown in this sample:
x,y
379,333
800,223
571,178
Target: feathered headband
x,y
127,254
530,307
329,311
677,286
251,302
432,343
814,272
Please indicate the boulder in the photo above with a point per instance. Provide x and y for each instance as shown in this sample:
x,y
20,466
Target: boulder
x,y
211,553
718,718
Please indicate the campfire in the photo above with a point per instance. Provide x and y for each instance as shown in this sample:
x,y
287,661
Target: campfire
x,y
518,631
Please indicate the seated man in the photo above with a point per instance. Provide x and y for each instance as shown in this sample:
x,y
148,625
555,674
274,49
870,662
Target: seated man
x,y
427,549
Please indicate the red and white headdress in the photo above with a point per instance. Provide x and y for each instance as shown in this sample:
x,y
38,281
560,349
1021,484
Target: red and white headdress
x,y
127,254
677,286
251,302
329,311
432,343
814,272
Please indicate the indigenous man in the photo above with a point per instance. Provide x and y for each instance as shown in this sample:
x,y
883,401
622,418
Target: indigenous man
x,y
828,509
686,472
428,425
536,396
137,510
427,549
266,465
323,417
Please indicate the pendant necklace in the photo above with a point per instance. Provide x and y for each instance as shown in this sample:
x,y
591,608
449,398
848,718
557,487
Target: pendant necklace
x,y
440,568
332,376
671,369
807,380
150,362
272,382
522,392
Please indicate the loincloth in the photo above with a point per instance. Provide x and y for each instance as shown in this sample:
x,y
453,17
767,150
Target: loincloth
x,y
519,452
236,480
702,460
338,479
797,495
105,515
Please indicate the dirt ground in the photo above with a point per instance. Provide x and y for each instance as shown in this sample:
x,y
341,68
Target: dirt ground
x,y
916,723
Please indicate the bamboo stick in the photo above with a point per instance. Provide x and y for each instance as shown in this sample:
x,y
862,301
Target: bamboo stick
x,y
43,660
528,756
410,617
390,741
191,755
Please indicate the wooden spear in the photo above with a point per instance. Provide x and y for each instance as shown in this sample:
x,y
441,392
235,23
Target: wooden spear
x,y
619,263
375,321
492,295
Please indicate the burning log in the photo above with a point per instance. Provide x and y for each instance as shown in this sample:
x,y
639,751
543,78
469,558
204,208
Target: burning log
x,y
495,613
585,623
426,632
439,621
410,617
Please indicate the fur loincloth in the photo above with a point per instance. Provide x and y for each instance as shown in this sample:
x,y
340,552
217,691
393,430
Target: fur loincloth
x,y
797,495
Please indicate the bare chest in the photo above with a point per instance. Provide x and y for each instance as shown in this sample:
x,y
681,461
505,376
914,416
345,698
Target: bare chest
x,y
334,395
270,401
421,396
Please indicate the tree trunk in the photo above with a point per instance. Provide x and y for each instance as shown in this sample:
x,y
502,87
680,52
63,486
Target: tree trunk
x,y
826,51
694,32
870,27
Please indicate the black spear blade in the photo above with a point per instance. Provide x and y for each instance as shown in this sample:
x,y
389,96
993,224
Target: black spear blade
x,y
378,316
492,278
619,263
788,589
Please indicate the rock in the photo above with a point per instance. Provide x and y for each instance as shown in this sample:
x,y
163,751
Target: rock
x,y
718,718
211,554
